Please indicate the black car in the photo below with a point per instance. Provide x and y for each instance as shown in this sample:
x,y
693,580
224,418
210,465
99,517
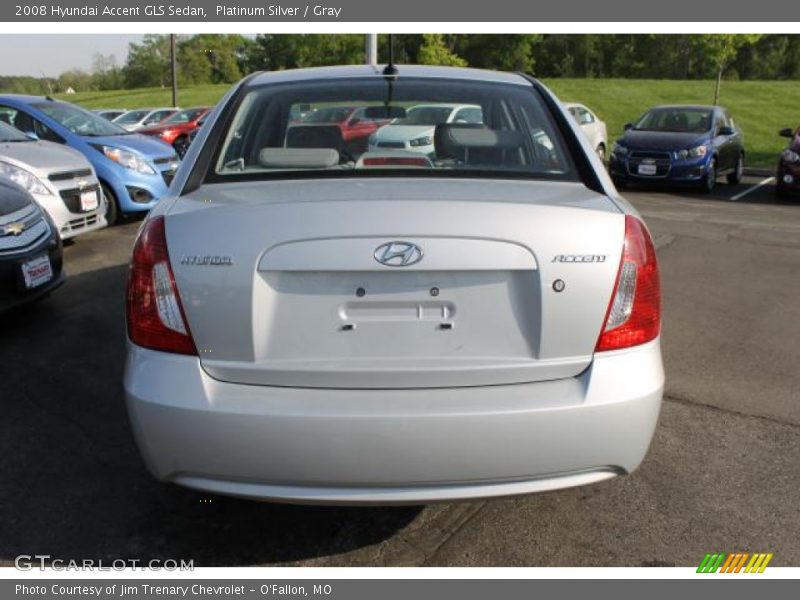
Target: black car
x,y
30,249
679,145
788,176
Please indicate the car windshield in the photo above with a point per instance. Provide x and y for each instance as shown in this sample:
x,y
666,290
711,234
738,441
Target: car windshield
x,y
78,120
331,114
505,130
677,120
12,134
132,116
183,116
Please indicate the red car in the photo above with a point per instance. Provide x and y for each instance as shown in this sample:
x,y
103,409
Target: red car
x,y
176,129
351,120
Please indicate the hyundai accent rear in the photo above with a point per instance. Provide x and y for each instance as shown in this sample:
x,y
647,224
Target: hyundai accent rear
x,y
312,324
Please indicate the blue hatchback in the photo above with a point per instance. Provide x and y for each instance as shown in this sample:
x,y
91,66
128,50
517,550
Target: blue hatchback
x,y
134,170
672,145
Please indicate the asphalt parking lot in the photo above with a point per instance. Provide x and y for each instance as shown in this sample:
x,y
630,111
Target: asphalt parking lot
x,y
723,472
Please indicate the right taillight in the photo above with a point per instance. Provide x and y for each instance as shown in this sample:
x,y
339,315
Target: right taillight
x,y
634,313
153,306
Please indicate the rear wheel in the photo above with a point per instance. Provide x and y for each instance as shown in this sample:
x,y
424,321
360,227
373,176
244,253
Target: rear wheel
x,y
710,180
181,145
736,176
112,208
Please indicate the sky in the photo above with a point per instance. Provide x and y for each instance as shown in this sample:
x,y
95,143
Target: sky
x,y
52,54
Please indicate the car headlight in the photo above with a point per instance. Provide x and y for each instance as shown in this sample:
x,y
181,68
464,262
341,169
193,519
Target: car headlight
x,y
166,133
425,140
25,179
696,152
127,159
619,149
790,156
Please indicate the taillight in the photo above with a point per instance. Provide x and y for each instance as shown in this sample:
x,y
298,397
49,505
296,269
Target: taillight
x,y
634,313
154,310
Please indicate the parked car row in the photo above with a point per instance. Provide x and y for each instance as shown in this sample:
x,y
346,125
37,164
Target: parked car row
x,y
64,172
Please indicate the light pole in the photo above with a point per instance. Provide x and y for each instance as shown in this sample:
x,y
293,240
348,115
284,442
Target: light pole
x,y
174,66
371,50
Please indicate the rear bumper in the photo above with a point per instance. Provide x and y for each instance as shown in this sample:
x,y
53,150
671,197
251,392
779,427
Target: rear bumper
x,y
392,446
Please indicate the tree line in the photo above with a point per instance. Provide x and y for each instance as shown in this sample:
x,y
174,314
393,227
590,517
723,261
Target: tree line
x,y
215,58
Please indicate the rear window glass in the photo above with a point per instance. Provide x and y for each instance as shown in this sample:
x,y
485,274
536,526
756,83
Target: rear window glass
x,y
428,126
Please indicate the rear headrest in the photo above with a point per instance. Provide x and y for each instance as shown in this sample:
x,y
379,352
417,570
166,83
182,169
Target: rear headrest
x,y
298,158
457,140
314,136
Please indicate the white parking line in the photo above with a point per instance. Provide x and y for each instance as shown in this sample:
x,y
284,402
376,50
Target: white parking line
x,y
753,188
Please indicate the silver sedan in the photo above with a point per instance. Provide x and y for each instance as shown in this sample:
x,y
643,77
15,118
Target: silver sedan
x,y
309,323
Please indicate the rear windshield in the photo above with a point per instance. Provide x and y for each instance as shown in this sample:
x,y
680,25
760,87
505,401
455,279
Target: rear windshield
x,y
419,125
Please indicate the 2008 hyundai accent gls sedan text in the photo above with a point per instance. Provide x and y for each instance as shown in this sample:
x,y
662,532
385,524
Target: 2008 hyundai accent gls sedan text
x,y
316,326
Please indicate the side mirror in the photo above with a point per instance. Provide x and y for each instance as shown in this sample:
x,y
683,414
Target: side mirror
x,y
32,136
628,126
355,121
788,133
725,130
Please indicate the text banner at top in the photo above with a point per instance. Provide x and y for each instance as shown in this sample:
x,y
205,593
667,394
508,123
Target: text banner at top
x,y
413,11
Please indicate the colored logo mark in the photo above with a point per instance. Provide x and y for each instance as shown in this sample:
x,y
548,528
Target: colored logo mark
x,y
737,562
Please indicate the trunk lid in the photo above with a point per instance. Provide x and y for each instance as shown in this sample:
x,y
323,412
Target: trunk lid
x,y
282,285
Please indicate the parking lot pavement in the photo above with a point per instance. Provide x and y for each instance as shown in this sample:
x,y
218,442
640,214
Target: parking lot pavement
x,y
721,474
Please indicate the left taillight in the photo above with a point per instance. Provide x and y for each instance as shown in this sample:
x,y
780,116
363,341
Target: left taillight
x,y
153,307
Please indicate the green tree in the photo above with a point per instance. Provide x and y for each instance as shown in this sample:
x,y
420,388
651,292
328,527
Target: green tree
x,y
148,63
435,51
720,49
106,74
274,52
504,52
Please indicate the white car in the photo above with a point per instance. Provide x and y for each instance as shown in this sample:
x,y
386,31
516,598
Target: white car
x,y
136,119
60,179
592,126
309,325
414,132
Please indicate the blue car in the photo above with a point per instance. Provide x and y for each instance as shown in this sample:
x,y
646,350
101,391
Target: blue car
x,y
134,170
679,145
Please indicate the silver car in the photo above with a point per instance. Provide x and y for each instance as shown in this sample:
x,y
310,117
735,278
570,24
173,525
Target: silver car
x,y
307,325
133,120
60,179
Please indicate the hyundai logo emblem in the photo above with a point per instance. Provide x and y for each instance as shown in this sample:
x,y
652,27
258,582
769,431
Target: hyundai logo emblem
x,y
398,254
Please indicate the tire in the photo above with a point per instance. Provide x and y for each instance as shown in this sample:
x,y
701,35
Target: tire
x,y
710,180
112,207
619,184
181,145
601,152
736,176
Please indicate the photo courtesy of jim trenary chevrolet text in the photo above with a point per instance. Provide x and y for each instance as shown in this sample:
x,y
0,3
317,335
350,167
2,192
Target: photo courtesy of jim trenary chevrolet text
x,y
356,299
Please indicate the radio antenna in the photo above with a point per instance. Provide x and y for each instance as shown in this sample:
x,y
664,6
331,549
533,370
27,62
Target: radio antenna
x,y
390,70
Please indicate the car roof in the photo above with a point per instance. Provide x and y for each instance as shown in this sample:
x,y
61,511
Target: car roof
x,y
689,106
344,72
27,99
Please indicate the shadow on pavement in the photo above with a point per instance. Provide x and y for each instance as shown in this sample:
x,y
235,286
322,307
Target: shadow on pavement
x,y
73,485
